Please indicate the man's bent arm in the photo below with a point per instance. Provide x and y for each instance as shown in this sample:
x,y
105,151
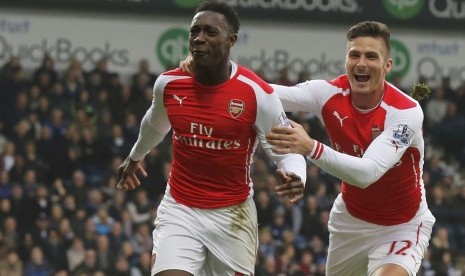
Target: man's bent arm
x,y
154,126
382,154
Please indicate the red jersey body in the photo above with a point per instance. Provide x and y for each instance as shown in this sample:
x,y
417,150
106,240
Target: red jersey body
x,y
215,132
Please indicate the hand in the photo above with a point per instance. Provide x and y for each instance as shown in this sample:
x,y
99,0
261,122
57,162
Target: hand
x,y
292,186
187,64
292,139
127,175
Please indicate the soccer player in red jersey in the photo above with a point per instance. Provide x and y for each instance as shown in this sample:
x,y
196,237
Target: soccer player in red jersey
x,y
207,222
380,224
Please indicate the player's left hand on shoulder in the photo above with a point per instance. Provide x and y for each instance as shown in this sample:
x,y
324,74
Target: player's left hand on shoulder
x,y
186,65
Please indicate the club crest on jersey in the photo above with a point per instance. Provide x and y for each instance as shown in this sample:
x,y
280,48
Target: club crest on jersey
x,y
403,135
236,107
375,131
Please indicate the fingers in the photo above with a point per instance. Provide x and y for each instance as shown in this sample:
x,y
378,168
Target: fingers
x,y
294,124
186,65
293,176
142,171
128,176
292,187
296,198
281,175
279,130
288,189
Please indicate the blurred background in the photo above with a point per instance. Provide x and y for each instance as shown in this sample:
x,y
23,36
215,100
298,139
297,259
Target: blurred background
x,y
76,77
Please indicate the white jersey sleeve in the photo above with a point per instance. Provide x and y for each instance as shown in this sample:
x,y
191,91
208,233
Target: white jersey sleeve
x,y
270,113
155,124
308,96
402,128
383,152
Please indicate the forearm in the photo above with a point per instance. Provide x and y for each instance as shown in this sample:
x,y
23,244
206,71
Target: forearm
x,y
152,131
294,163
357,171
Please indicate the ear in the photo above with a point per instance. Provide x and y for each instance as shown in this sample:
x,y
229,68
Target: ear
x,y
232,40
388,66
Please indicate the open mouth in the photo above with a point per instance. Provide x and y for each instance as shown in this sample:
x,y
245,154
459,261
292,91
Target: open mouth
x,y
198,52
362,77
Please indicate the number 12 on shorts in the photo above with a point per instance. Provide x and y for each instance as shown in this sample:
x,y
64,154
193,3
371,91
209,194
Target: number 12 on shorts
x,y
399,247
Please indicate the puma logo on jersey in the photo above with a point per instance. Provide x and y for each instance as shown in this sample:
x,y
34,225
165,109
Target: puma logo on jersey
x,y
336,114
176,97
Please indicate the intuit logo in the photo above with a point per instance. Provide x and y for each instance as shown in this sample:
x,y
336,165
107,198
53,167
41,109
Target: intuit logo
x,y
172,47
403,9
187,3
400,59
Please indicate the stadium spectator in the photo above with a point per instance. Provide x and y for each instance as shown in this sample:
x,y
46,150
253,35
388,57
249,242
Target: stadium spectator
x,y
143,266
11,264
75,254
436,108
37,265
89,265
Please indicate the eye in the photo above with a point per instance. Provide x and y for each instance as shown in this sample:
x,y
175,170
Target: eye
x,y
194,31
354,55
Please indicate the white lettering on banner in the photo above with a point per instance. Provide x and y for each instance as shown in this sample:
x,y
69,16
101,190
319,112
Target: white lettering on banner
x,y
62,50
272,45
447,8
280,58
439,49
433,71
346,6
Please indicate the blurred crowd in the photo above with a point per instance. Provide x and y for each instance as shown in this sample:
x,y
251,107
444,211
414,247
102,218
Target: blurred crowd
x,y
63,134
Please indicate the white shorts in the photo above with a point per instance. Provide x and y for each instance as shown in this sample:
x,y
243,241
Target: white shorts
x,y
220,241
357,247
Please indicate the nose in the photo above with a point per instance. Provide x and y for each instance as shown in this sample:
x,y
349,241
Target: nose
x,y
199,38
361,62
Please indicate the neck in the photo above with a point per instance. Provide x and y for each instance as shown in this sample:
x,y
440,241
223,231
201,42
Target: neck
x,y
213,75
368,101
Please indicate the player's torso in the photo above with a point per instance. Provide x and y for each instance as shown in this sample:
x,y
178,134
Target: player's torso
x,y
395,196
213,140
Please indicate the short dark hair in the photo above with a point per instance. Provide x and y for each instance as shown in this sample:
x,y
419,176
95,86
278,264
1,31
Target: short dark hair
x,y
372,29
227,11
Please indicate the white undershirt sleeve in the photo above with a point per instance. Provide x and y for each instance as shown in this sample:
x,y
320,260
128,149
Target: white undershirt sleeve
x,y
155,124
269,115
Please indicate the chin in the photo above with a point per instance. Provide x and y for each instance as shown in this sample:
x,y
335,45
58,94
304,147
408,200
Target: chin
x,y
361,89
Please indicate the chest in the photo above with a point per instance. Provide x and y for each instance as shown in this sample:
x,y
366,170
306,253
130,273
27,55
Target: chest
x,y
350,129
223,112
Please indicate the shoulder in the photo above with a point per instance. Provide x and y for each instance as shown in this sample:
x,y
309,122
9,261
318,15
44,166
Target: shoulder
x,y
170,76
341,82
174,74
394,97
246,75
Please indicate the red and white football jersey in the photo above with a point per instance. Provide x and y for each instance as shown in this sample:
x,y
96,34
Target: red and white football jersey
x,y
215,132
378,154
